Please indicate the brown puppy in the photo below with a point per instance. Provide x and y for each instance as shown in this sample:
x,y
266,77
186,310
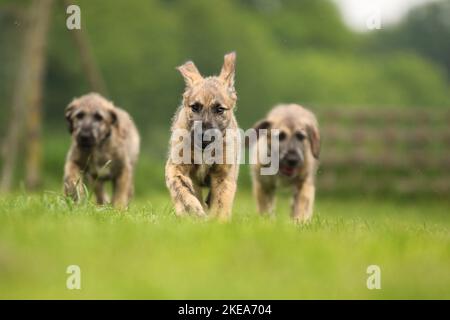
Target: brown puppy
x,y
208,104
105,147
299,146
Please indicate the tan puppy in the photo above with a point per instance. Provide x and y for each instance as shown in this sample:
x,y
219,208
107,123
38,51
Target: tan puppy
x,y
105,147
208,104
299,146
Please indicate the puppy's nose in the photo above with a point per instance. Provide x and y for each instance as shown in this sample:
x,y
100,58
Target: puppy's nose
x,y
292,162
207,139
292,159
85,134
209,136
85,138
206,126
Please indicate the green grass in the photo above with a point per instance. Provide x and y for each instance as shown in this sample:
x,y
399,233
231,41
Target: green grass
x,y
149,253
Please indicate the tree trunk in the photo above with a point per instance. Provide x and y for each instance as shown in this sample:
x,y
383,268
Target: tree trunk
x,y
27,98
34,115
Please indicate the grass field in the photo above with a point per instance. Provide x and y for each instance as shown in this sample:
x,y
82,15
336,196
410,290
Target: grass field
x,y
149,253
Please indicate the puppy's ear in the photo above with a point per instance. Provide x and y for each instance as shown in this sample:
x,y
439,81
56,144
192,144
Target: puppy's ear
x,y
68,114
260,125
114,119
314,140
228,69
190,73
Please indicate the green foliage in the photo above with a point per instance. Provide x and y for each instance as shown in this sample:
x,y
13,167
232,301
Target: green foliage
x,y
425,30
287,51
300,25
344,79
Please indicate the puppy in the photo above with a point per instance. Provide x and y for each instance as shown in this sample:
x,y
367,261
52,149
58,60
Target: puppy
x,y
299,147
105,147
208,104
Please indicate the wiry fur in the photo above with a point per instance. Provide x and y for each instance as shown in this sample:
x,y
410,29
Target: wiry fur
x,y
302,140
111,154
185,181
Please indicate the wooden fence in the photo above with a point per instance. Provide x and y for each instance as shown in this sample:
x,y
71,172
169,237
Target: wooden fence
x,y
397,151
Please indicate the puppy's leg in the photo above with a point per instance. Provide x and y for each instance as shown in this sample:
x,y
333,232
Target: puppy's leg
x,y
264,194
223,189
99,190
182,190
303,202
131,189
123,186
100,194
73,181
199,194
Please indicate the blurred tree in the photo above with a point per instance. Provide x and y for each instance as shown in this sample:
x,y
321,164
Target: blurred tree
x,y
88,62
426,30
12,17
27,97
303,24
287,51
37,65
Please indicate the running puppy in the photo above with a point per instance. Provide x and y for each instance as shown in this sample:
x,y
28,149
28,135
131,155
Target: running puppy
x,y
208,105
105,147
299,147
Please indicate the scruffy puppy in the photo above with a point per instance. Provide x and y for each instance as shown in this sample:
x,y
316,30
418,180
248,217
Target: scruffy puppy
x,y
208,105
105,147
299,146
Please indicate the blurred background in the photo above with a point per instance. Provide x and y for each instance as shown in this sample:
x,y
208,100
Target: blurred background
x,y
378,77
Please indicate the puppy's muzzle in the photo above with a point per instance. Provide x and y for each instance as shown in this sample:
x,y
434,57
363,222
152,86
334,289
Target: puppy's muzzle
x,y
205,135
290,163
86,139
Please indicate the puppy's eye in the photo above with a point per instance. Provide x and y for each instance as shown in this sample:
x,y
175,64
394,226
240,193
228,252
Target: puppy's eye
x,y
218,109
300,136
80,115
196,107
282,136
98,117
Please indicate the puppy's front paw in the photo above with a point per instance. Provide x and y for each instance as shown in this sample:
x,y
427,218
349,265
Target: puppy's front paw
x,y
74,189
193,209
301,220
199,213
